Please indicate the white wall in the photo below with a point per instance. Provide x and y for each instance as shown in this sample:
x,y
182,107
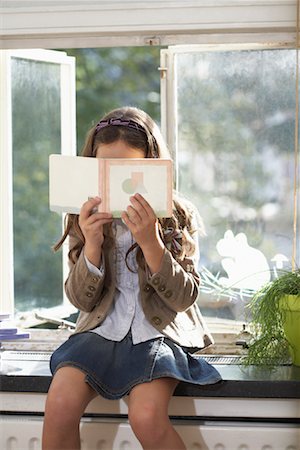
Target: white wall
x,y
80,23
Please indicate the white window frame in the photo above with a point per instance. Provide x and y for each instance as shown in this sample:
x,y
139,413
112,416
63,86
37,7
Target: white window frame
x,y
68,146
87,23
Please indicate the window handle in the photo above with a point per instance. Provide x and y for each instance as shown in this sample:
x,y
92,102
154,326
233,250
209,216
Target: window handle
x,y
56,320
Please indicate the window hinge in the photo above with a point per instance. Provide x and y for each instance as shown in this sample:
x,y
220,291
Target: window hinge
x,y
163,72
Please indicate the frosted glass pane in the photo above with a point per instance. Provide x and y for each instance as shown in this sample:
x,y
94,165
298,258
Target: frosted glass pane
x,y
236,161
36,134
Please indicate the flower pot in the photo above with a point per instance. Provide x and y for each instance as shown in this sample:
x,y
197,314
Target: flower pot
x,y
290,306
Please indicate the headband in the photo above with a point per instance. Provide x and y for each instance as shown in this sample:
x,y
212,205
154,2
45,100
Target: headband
x,y
122,122
119,122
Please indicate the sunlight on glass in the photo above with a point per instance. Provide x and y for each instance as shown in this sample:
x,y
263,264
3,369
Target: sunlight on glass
x,y
36,134
236,114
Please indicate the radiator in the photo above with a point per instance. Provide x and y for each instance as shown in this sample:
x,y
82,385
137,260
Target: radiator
x,y
24,433
203,423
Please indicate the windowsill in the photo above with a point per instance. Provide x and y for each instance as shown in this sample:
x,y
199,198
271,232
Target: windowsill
x,y
47,340
248,382
29,319
282,382
41,340
226,333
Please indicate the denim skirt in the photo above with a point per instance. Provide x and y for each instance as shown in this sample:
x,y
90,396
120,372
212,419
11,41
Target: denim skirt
x,y
113,368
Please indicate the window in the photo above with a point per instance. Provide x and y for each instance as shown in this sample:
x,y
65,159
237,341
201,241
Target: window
x,y
41,98
233,140
233,137
259,157
39,113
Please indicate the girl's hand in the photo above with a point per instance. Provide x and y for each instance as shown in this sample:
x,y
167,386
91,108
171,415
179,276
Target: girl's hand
x,y
91,224
142,222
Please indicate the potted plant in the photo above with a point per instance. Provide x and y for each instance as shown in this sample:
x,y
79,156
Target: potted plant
x,y
275,322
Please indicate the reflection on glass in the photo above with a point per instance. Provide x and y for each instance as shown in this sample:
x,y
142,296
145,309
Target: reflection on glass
x,y
236,114
36,134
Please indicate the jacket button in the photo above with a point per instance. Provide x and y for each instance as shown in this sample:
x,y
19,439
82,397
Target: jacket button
x,y
168,294
89,294
156,281
92,288
94,279
156,320
190,268
162,288
147,288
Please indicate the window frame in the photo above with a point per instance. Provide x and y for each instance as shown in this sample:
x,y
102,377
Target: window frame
x,y
68,147
86,23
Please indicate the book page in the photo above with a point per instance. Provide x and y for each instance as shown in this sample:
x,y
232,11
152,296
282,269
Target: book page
x,y
152,178
72,180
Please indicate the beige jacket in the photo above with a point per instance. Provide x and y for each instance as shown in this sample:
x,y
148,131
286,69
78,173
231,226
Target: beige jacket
x,y
168,297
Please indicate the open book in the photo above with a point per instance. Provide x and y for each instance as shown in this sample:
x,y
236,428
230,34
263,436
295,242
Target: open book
x,y
74,179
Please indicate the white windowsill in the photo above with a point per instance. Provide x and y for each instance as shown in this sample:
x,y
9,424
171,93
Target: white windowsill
x,y
225,334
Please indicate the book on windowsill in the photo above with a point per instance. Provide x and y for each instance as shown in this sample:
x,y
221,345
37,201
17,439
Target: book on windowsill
x,y
75,179
9,332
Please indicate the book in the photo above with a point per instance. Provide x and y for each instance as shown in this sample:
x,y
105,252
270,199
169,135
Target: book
x,y
8,332
4,316
5,331
14,336
75,179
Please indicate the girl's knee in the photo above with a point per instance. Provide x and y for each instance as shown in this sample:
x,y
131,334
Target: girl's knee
x,y
61,410
67,398
147,422
61,400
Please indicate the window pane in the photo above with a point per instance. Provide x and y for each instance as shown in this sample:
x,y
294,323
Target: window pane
x,y
36,134
236,113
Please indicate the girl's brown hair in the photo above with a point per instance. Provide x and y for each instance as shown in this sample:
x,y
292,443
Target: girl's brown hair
x,y
141,133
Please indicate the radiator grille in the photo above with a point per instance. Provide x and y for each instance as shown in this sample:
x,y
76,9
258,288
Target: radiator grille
x,y
26,356
25,434
45,356
222,359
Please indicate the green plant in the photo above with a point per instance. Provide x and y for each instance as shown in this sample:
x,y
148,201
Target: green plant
x,y
269,345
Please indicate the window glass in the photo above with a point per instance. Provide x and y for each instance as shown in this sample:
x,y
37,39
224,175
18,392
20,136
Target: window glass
x,y
236,124
36,134
106,78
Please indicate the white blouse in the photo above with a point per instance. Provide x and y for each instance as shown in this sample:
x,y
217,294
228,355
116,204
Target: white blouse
x,y
126,312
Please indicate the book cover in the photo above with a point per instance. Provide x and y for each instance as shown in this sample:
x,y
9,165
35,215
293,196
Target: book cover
x,y
74,179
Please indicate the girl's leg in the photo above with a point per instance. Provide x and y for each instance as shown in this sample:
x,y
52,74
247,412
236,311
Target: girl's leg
x,y
148,415
67,400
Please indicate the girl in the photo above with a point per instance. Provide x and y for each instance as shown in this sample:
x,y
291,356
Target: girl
x,y
135,283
